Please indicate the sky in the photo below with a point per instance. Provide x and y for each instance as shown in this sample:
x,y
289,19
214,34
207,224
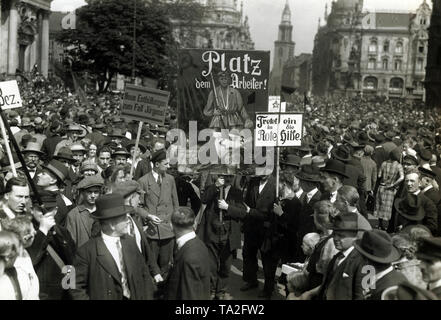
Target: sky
x,y
265,15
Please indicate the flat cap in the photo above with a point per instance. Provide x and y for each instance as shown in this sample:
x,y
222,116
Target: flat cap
x,y
91,181
159,156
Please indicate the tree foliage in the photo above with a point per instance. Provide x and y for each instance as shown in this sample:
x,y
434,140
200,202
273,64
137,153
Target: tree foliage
x,y
102,43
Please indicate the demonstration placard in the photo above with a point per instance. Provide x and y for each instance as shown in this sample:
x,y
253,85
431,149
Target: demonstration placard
x,y
9,95
278,130
145,104
203,97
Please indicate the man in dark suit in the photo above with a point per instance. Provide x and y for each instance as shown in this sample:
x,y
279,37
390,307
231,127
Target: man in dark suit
x,y
146,165
111,267
429,252
189,279
414,207
343,278
427,179
260,231
220,232
160,200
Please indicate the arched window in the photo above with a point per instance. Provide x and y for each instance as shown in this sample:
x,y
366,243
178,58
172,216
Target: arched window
x,y
370,83
385,64
396,83
371,64
386,46
373,46
399,47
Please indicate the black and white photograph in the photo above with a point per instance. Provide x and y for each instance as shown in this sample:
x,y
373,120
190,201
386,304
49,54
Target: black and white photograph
x,y
220,156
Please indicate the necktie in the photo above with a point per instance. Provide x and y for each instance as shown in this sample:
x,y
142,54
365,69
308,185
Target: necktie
x,y
159,180
339,258
125,284
131,228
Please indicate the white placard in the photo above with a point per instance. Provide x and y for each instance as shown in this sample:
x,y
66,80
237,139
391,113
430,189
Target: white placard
x,y
270,133
10,95
273,103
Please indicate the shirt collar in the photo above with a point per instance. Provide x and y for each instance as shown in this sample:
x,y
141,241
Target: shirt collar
x,y
312,193
417,192
427,188
348,251
8,211
299,193
182,240
434,285
155,175
334,196
110,239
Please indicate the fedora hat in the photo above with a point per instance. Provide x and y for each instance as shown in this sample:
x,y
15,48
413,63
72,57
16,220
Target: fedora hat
x,y
291,160
427,173
363,138
346,222
341,153
335,167
407,291
64,154
379,138
410,207
78,147
429,249
110,206
376,245
308,173
116,132
120,152
318,161
34,147
141,146
58,169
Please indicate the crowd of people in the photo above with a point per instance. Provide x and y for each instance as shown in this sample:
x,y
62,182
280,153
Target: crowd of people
x,y
100,219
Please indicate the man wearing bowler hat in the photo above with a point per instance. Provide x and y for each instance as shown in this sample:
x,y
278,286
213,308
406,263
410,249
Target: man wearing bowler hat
x,y
344,276
110,266
377,248
160,200
32,156
429,252
331,178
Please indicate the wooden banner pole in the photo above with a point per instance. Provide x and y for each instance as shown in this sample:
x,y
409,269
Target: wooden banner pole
x,y
8,148
135,156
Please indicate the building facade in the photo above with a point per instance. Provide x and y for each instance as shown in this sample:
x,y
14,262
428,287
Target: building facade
x,y
379,53
284,48
224,26
433,68
297,73
24,36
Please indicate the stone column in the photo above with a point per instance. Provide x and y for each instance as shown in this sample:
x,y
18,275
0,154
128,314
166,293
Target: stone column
x,y
13,38
45,44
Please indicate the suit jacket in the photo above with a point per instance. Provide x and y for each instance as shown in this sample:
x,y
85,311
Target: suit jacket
x,y
79,223
345,282
431,213
209,221
435,196
48,272
189,278
143,167
437,171
160,201
380,155
98,277
391,279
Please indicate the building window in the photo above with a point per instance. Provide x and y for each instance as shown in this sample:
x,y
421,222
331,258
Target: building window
x,y
370,83
399,48
397,65
396,83
373,46
371,64
386,46
385,64
280,52
420,65
421,48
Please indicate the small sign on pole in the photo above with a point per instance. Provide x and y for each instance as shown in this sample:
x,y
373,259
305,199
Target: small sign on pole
x,y
145,104
278,129
10,95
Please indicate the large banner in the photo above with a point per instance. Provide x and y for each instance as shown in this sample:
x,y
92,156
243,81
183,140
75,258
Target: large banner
x,y
222,89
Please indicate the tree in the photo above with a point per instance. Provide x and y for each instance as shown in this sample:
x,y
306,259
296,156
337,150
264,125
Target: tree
x,y
102,43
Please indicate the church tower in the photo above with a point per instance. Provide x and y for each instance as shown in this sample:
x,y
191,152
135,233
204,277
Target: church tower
x,y
283,50
284,46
